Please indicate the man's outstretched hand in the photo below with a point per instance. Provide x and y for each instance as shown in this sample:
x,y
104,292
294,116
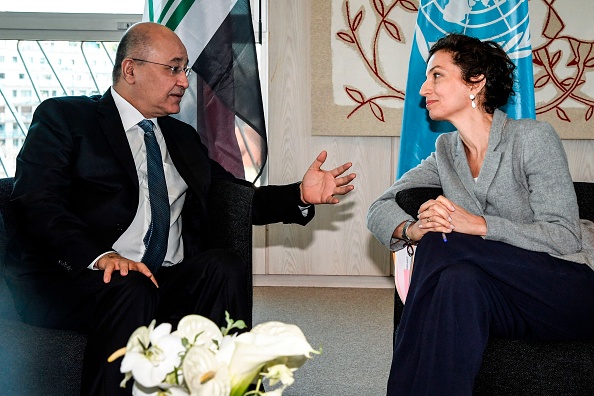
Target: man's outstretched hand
x,y
320,187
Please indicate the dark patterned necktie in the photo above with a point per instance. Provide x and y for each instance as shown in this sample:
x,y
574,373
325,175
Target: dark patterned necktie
x,y
157,235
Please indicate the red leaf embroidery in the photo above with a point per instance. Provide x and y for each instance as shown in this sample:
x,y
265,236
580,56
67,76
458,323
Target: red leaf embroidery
x,y
344,36
409,5
541,82
392,30
589,113
555,59
379,7
377,111
562,114
355,94
568,82
358,19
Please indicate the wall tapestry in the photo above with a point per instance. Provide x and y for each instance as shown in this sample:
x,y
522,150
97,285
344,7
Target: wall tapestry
x,y
360,52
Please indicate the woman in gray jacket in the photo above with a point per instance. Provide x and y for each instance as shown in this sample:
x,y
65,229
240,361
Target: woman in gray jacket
x,y
502,252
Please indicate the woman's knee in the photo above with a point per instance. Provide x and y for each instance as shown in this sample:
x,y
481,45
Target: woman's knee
x,y
462,276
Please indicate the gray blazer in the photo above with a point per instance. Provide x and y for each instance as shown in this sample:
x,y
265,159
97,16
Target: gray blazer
x,y
524,190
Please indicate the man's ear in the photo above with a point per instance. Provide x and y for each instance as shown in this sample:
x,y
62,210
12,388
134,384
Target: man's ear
x,y
128,68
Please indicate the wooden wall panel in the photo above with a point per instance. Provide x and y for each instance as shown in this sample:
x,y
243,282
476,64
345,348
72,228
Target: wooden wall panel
x,y
580,155
337,241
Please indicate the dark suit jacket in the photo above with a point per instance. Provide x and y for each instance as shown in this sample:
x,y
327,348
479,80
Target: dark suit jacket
x,y
76,187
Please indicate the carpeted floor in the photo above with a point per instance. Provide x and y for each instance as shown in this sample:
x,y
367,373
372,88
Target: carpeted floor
x,y
353,327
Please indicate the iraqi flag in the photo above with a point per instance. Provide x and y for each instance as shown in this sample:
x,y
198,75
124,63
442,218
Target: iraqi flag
x,y
505,22
224,100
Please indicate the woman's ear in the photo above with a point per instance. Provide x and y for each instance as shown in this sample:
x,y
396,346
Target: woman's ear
x,y
477,84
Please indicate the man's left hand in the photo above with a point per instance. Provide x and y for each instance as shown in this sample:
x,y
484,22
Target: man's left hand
x,y
320,187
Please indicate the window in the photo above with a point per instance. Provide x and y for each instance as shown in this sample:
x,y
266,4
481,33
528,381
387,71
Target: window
x,y
69,6
49,53
36,66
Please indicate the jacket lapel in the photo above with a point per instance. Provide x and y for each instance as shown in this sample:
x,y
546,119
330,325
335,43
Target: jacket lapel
x,y
492,158
478,190
111,126
463,170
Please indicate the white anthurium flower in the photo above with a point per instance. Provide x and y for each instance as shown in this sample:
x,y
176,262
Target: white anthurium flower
x,y
139,390
150,362
226,349
297,351
280,373
199,330
199,359
140,339
204,374
265,343
276,392
136,343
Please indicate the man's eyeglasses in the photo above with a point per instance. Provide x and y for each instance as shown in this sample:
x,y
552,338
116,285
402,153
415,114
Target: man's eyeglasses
x,y
175,70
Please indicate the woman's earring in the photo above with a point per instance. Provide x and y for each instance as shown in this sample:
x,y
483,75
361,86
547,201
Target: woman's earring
x,y
473,104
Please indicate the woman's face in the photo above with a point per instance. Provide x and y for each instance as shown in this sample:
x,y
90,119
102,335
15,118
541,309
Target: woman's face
x,y
447,96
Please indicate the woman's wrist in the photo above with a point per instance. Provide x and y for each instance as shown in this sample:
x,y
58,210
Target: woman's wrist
x,y
406,232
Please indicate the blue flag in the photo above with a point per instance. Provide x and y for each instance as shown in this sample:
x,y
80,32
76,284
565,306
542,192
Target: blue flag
x,y
505,22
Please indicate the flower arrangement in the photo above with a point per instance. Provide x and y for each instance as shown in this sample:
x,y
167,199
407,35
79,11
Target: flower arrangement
x,y
201,359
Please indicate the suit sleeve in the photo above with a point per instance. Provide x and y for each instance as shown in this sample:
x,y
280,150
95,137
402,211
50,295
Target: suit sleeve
x,y
273,203
42,190
385,215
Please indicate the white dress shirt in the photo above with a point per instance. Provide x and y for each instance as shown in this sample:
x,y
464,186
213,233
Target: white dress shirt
x,y
130,244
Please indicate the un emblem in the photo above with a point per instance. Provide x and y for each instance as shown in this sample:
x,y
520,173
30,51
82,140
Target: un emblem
x,y
505,22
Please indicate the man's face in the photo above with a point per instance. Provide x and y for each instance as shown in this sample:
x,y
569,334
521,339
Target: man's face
x,y
157,89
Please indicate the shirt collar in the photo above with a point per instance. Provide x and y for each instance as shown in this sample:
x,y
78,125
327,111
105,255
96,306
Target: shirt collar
x,y
129,115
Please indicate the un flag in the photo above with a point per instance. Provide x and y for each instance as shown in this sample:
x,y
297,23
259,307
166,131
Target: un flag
x,y
505,22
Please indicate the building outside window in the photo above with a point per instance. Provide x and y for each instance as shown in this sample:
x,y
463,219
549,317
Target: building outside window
x,y
67,60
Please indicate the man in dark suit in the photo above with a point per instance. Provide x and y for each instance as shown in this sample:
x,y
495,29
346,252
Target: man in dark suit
x,y
81,196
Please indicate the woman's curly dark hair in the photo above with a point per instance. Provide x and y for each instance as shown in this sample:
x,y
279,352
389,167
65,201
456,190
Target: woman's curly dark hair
x,y
475,57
